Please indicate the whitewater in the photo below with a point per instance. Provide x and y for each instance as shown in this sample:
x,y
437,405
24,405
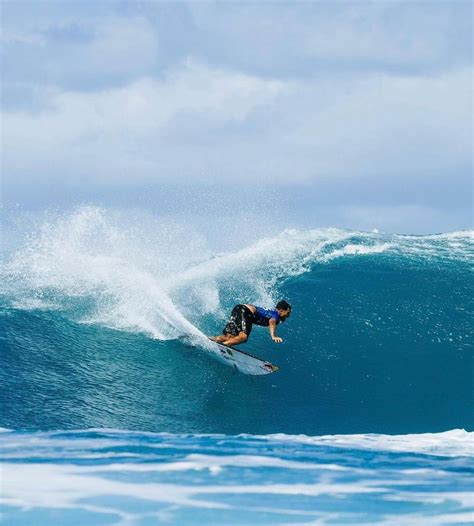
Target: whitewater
x,y
109,419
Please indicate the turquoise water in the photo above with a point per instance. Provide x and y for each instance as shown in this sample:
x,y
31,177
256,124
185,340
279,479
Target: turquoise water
x,y
379,342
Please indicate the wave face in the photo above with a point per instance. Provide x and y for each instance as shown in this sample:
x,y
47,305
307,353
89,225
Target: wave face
x,y
119,477
92,304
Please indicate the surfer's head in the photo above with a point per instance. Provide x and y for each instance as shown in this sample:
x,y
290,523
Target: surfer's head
x,y
284,309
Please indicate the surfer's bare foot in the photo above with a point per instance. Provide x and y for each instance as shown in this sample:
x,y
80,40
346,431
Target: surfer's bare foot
x,y
218,339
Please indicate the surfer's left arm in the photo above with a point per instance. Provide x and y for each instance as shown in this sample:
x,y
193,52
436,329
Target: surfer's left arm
x,y
272,328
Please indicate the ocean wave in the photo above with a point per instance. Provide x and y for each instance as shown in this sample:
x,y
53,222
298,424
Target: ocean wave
x,y
379,338
453,443
153,277
218,479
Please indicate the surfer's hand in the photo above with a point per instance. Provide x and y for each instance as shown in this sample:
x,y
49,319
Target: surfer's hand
x,y
277,339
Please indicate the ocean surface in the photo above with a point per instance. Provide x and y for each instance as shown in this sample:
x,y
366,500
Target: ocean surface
x,y
109,419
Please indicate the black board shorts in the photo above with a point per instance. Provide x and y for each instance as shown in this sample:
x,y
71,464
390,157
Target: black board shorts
x,y
241,319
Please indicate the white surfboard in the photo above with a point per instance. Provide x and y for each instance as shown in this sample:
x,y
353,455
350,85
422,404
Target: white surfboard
x,y
242,361
232,357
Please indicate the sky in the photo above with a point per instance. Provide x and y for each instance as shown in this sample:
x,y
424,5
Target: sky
x,y
324,113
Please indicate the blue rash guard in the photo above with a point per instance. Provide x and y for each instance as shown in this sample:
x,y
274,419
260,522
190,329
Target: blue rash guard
x,y
263,316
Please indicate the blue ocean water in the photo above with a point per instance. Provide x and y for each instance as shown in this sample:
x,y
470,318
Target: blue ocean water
x,y
117,477
110,419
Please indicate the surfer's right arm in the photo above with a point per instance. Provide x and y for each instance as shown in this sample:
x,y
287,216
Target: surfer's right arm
x,y
272,327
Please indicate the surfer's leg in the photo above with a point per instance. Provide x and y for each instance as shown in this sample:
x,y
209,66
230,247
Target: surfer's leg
x,y
238,327
231,329
243,327
235,340
219,339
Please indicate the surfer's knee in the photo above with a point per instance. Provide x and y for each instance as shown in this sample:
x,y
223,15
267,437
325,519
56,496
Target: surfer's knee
x,y
244,336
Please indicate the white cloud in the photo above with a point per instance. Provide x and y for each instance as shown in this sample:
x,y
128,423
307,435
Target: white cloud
x,y
384,125
320,39
201,119
382,34
108,122
322,92
121,46
81,53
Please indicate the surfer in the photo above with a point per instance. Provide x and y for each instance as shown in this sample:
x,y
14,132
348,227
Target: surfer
x,y
242,318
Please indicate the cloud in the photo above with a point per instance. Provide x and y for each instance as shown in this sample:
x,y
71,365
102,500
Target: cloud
x,y
79,127
317,39
321,94
79,55
383,125
226,124
82,45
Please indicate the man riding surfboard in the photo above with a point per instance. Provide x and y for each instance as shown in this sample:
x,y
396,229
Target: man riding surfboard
x,y
244,316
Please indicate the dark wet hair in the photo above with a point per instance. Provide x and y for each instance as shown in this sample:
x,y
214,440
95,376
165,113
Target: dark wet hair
x,y
284,305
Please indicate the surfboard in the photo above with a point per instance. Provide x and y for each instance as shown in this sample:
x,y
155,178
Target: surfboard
x,y
241,361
